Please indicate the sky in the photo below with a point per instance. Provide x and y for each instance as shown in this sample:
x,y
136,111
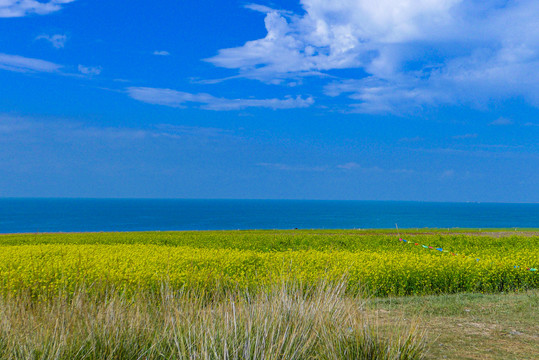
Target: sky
x,y
423,100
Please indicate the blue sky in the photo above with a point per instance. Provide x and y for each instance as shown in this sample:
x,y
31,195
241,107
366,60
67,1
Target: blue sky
x,y
428,100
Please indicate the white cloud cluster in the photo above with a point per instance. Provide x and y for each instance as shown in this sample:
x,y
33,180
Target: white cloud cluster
x,y
173,98
334,35
24,64
57,40
412,52
161,53
89,70
20,8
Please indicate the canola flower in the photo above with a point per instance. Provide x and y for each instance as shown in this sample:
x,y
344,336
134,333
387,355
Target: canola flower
x,y
377,264
454,254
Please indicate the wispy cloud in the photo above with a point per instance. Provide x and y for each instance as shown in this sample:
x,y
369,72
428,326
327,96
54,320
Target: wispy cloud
x,y
20,8
161,53
501,121
12,126
418,53
350,166
447,174
89,70
173,98
465,136
411,139
492,151
288,167
182,130
24,64
57,40
354,166
260,8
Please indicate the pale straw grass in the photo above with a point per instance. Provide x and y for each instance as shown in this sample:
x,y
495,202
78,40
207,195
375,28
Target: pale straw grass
x,y
287,321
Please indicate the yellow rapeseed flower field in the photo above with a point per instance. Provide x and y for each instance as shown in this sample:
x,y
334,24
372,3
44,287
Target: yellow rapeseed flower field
x,y
378,264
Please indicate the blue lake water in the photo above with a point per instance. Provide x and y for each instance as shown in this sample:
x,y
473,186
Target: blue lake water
x,y
65,215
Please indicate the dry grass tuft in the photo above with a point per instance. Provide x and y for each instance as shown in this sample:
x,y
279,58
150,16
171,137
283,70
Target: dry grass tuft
x,y
284,322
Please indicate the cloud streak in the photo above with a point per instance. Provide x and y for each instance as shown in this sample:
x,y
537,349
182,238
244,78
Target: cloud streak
x,y
161,53
502,121
465,136
179,99
20,8
23,64
347,167
293,168
16,127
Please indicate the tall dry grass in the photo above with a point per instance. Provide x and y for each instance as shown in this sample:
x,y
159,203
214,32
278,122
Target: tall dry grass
x,y
283,322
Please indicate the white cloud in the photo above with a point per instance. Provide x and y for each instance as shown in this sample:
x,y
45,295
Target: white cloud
x,y
413,52
374,95
24,64
288,167
448,174
13,126
349,166
19,8
465,136
29,65
502,121
260,8
57,40
173,98
411,139
168,130
161,53
332,35
90,70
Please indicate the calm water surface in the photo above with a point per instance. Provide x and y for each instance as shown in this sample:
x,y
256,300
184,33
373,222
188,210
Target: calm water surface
x,y
53,215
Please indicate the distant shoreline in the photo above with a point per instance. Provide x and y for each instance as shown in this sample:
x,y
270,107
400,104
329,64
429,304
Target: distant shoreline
x,y
124,215
388,231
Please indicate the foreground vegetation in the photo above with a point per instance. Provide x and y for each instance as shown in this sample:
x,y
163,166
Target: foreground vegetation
x,y
286,322
344,294
373,263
